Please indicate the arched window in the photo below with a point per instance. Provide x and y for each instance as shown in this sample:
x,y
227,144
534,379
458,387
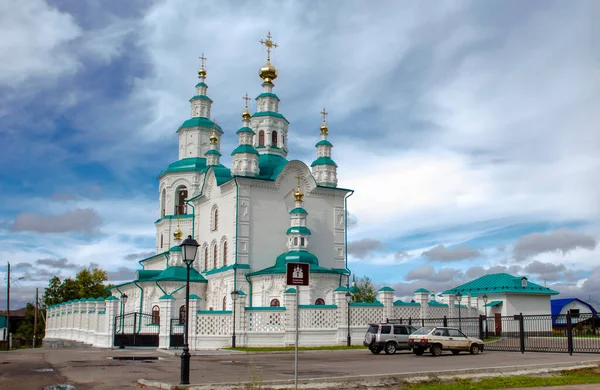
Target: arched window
x,y
224,253
163,200
156,315
224,303
205,258
320,301
295,241
215,256
181,194
182,314
275,303
274,138
302,241
261,138
161,241
282,141
215,218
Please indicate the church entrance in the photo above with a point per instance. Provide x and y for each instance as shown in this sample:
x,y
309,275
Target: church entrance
x,y
136,330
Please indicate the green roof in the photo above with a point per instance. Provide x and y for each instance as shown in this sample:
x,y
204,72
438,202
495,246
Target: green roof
x,y
175,248
422,290
245,130
294,257
204,97
341,288
194,296
2,321
323,142
298,210
244,149
400,303
386,288
298,230
270,113
167,296
201,84
500,283
212,151
494,303
178,274
222,174
270,166
436,303
200,121
186,164
323,161
267,94
290,290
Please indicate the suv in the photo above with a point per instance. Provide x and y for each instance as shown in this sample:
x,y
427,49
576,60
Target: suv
x,y
442,338
388,337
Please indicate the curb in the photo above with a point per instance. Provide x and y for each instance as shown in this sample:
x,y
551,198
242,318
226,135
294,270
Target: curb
x,y
377,380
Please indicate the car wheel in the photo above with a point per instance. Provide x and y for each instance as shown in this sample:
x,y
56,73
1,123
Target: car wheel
x,y
375,350
390,348
436,350
474,349
418,351
455,351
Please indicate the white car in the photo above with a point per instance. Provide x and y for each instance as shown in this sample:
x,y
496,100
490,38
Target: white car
x,y
439,339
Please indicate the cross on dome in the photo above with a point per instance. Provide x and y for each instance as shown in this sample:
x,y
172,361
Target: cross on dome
x,y
202,71
269,44
247,99
298,195
324,115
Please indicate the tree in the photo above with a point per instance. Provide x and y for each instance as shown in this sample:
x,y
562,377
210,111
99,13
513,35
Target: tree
x,y
25,329
87,284
364,291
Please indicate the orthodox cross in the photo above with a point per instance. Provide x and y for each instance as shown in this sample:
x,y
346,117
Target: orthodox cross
x,y
269,44
324,114
247,99
202,58
298,177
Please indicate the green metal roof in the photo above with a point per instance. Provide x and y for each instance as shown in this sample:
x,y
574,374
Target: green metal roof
x,y
294,257
270,166
245,130
341,288
290,290
212,151
201,84
494,303
200,121
298,210
167,296
204,97
422,290
386,288
175,248
323,142
400,303
270,113
298,230
323,161
267,94
244,149
186,164
222,174
436,303
178,274
194,296
500,283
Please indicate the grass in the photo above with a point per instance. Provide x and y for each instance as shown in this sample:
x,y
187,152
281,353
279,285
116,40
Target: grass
x,y
572,377
286,349
488,339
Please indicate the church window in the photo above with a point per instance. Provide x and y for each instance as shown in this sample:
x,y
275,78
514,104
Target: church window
x,y
161,240
295,241
302,241
282,141
156,315
182,314
224,303
275,303
205,258
225,253
215,256
181,195
261,138
215,218
163,200
320,301
274,138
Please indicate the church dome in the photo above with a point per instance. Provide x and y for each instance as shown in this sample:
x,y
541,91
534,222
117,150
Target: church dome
x,y
268,72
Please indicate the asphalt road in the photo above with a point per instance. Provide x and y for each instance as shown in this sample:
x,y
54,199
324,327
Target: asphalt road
x,y
94,368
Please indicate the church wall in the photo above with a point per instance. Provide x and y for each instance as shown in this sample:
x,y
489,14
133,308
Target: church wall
x,y
194,142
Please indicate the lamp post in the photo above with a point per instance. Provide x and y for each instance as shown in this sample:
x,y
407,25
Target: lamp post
x,y
189,247
234,296
485,300
8,306
459,298
348,299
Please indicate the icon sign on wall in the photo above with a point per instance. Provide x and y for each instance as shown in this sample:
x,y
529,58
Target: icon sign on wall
x,y
298,274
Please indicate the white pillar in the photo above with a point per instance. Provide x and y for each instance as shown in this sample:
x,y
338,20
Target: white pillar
x,y
112,310
166,308
385,295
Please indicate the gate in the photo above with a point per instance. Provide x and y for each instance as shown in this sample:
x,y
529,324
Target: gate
x,y
136,330
176,333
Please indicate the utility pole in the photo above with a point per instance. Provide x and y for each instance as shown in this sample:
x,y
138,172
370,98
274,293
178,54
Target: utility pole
x,y
8,309
35,318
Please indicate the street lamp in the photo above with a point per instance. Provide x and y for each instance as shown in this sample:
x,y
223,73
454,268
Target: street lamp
x,y
348,299
485,299
459,298
189,247
234,296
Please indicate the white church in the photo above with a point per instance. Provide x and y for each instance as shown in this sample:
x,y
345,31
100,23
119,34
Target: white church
x,y
250,219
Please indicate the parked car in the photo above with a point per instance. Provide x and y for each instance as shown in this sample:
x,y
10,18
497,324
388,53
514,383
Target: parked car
x,y
388,337
439,339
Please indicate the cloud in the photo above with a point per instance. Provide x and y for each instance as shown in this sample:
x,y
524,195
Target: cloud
x,y
546,271
364,247
139,255
42,275
21,267
84,221
57,263
62,197
441,253
430,274
562,240
121,274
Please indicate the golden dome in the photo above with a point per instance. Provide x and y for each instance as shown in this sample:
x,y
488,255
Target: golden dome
x,y
202,73
246,115
178,233
268,72
298,195
213,137
324,128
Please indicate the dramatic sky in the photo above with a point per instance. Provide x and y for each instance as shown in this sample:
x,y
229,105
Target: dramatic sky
x,y
469,130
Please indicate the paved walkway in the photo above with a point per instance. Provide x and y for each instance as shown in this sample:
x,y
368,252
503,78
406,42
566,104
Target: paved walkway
x,y
95,368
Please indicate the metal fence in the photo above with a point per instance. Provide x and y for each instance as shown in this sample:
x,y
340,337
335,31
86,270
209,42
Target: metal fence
x,y
136,329
566,333
176,332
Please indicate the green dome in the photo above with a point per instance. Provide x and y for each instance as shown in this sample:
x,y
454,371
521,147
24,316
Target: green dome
x,y
323,161
298,230
204,97
200,121
267,94
201,84
245,149
298,210
212,151
422,290
186,164
324,142
296,257
245,130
